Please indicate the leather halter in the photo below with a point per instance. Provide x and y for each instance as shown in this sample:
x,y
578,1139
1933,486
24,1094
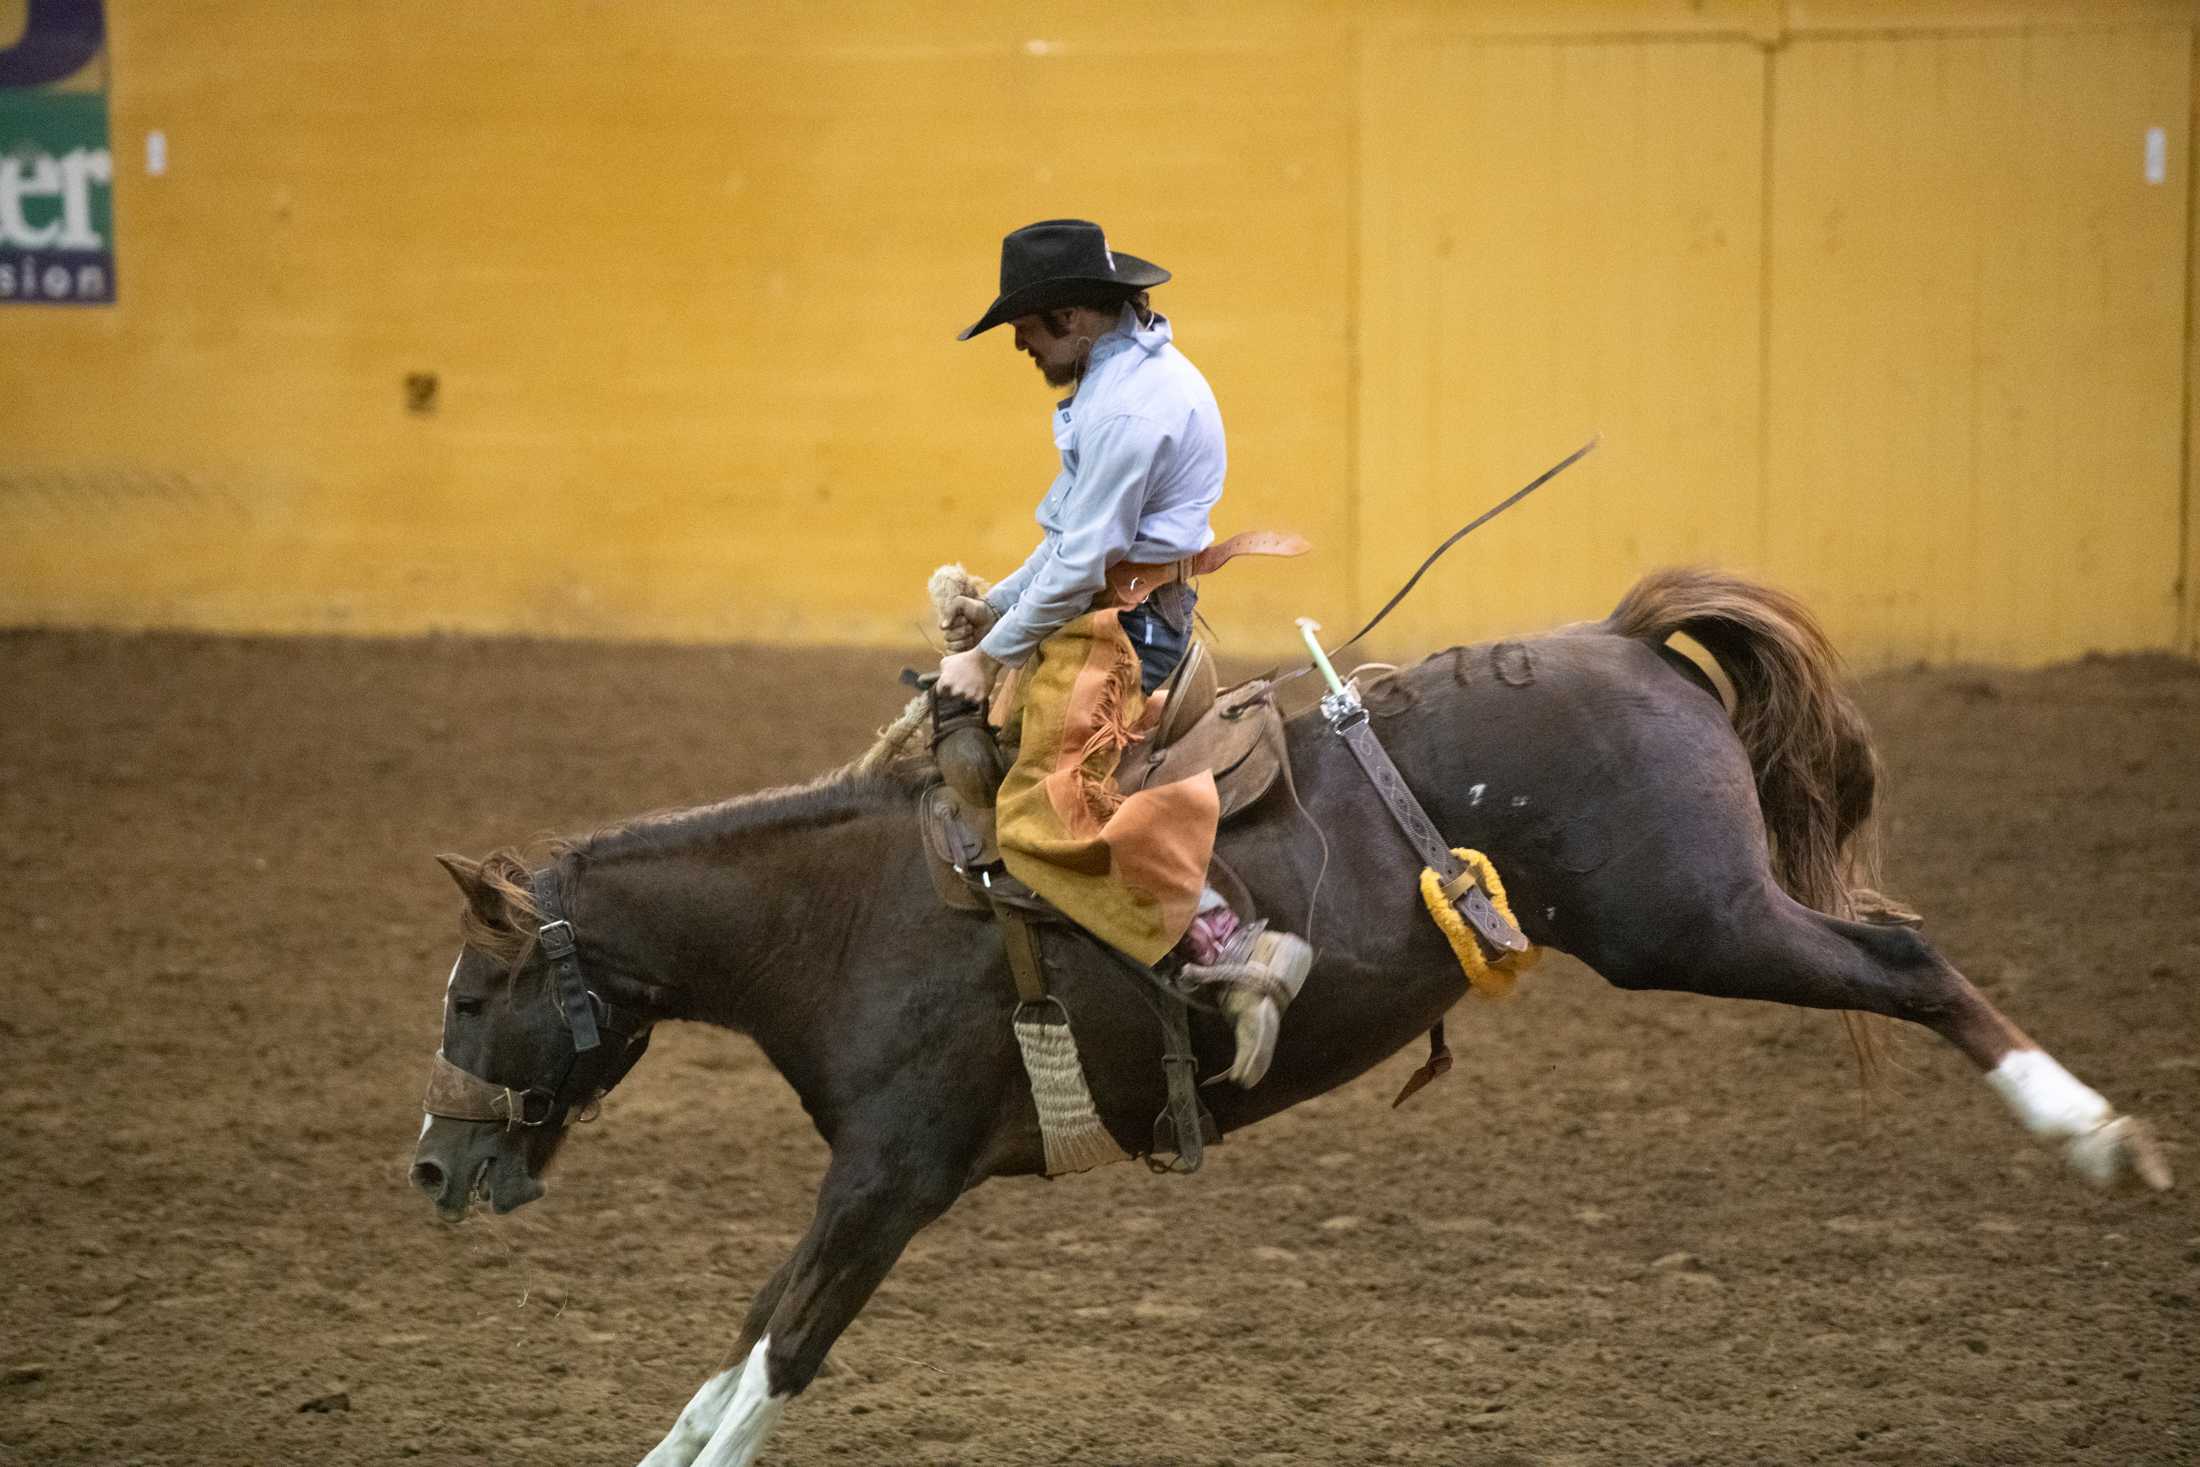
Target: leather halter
x,y
556,937
461,1095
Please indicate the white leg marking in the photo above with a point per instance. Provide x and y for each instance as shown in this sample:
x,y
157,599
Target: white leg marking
x,y
2054,1104
698,1419
750,1419
726,1422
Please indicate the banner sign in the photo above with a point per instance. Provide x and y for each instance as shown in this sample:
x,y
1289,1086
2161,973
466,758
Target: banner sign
x,y
57,206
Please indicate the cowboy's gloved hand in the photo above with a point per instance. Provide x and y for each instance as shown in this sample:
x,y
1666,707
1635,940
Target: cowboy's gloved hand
x,y
968,618
966,675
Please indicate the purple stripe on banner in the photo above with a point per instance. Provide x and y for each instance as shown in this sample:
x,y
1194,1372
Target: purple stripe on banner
x,y
55,278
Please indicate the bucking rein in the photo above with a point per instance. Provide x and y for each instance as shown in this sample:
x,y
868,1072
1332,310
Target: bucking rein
x,y
1239,738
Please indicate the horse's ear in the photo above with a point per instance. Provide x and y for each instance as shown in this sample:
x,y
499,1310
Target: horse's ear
x,y
480,896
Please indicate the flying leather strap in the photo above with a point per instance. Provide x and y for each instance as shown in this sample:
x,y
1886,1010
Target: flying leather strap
x,y
1460,887
1130,583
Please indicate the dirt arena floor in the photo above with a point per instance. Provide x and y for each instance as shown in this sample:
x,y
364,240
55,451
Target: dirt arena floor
x,y
1628,1229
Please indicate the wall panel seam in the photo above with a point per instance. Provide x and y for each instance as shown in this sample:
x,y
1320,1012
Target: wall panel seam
x,y
1767,164
1567,39
1355,315
1975,33
2188,597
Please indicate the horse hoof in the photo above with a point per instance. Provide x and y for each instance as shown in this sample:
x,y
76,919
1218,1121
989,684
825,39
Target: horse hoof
x,y
2115,1149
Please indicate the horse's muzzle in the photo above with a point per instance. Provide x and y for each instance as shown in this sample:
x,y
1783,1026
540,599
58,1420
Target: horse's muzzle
x,y
455,1168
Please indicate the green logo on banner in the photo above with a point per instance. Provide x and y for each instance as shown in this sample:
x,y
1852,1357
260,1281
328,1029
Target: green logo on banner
x,y
57,208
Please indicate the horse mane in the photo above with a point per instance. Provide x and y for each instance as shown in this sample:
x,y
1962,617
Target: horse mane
x,y
835,798
506,930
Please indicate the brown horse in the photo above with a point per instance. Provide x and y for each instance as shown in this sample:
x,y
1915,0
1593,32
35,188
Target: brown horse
x,y
1636,825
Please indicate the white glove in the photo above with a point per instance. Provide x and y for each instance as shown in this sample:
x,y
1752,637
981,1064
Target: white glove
x,y
967,620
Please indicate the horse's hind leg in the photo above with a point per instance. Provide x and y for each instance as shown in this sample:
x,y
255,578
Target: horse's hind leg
x,y
1782,952
869,1208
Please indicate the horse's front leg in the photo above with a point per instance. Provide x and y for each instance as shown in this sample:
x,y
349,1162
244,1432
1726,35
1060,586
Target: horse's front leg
x,y
869,1208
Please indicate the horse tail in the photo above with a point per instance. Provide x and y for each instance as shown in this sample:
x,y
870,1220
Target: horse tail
x,y
1817,772
1816,767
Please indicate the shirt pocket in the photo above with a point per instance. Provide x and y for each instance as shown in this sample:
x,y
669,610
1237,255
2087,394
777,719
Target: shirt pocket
x,y
1050,504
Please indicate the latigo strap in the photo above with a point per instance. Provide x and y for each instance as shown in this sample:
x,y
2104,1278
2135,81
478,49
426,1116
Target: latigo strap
x,y
1027,962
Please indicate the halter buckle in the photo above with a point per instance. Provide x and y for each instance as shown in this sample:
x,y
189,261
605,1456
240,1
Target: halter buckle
x,y
557,939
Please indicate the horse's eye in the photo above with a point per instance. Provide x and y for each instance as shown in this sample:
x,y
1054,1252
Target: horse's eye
x,y
467,1006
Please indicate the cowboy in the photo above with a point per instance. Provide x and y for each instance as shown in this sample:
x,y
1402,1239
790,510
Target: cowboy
x,y
1142,467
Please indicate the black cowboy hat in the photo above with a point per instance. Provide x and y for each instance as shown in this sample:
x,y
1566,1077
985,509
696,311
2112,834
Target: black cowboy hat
x,y
1061,262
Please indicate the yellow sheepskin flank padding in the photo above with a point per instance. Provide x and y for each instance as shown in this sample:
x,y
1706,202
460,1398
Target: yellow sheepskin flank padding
x,y
1491,980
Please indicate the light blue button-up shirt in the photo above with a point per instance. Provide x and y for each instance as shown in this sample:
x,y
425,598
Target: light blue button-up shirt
x,y
1142,466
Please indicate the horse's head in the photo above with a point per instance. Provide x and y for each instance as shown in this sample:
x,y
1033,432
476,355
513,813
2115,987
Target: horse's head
x,y
526,1043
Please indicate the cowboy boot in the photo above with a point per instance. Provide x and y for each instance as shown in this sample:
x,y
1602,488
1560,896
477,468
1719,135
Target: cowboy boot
x,y
1259,972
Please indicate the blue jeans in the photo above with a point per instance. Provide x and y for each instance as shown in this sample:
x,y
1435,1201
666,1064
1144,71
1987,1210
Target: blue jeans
x,y
1160,628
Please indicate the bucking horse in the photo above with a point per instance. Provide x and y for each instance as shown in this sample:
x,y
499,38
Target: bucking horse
x,y
1668,833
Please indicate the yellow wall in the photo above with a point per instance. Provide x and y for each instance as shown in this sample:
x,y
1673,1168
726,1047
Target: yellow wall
x,y
1560,237
1867,297
1979,334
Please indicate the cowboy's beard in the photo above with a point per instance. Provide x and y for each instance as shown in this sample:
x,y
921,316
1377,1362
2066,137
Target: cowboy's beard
x,y
1067,372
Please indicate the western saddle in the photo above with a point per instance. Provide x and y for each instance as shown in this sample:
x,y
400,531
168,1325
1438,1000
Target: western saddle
x,y
1234,732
